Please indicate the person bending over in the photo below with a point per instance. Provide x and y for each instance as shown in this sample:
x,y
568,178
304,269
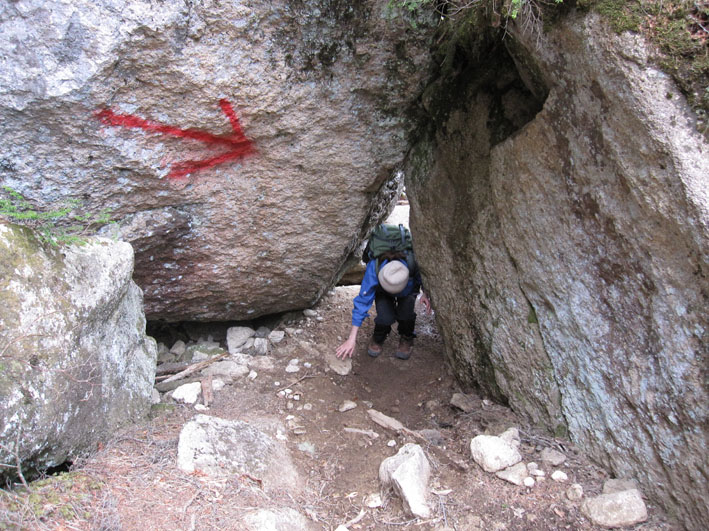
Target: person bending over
x,y
394,291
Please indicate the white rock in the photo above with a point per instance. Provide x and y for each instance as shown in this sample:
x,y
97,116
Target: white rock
x,y
373,501
275,520
559,476
529,482
227,369
201,407
179,348
155,397
493,453
346,406
218,384
253,375
553,457
391,443
532,466
310,313
408,473
276,336
237,336
537,472
292,368
574,492
342,527
221,448
619,509
261,346
187,393
515,474
511,436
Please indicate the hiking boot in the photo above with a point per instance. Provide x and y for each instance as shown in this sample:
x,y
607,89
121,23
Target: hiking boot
x,y
374,349
406,345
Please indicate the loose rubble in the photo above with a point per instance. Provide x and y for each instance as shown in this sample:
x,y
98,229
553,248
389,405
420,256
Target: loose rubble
x,y
408,473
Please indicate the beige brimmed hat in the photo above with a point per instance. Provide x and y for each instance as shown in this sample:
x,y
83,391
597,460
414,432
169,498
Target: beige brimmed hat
x,y
393,277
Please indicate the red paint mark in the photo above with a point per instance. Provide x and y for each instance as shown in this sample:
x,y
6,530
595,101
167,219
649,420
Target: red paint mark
x,y
239,145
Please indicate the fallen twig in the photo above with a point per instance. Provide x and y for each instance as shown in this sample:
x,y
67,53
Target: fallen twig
x,y
392,424
194,368
368,433
296,382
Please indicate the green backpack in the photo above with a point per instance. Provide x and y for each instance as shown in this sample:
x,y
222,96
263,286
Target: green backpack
x,y
390,238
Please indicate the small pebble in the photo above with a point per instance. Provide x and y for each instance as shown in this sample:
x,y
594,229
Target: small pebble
x,y
307,364
528,482
253,375
391,443
574,492
292,368
560,476
307,407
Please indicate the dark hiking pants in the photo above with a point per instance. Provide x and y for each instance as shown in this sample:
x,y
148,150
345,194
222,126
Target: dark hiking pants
x,y
390,309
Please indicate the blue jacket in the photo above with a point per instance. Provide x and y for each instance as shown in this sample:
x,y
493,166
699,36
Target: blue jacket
x,y
368,290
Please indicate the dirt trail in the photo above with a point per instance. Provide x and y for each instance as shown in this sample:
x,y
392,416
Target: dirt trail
x,y
132,482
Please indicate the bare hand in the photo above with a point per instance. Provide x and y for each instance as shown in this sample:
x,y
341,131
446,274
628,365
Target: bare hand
x,y
426,302
346,349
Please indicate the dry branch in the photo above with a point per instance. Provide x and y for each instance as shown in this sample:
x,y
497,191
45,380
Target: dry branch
x,y
394,425
194,368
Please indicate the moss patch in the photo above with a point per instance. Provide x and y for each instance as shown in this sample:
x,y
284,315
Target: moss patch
x,y
679,30
60,497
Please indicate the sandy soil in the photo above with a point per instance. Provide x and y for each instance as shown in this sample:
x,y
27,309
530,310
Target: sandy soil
x,y
132,481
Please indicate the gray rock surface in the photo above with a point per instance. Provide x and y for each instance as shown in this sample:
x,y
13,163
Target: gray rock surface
x,y
408,473
515,474
560,212
493,453
281,519
319,87
76,363
618,509
237,336
220,447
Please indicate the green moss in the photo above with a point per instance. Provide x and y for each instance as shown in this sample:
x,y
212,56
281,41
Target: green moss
x,y
561,431
677,29
532,316
157,410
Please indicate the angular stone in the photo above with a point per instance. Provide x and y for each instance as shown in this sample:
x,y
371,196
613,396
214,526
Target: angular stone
x,y
408,473
493,453
227,369
188,393
346,406
236,337
552,456
276,336
619,509
515,474
260,346
178,349
511,435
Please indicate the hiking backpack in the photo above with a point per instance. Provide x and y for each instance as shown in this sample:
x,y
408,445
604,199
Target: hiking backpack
x,y
390,238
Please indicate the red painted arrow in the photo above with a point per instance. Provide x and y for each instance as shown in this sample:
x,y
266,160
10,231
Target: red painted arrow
x,y
239,145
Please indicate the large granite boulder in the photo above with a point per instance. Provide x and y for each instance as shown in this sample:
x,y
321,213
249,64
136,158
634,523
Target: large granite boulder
x,y
560,210
75,362
319,87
